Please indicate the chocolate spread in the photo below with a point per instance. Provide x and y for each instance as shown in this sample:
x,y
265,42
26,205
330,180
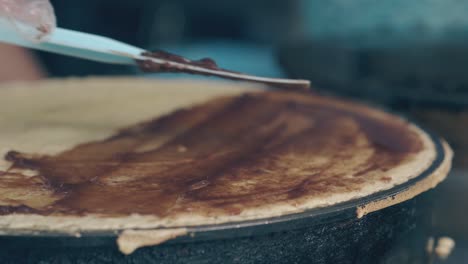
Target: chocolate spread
x,y
210,64
222,156
147,66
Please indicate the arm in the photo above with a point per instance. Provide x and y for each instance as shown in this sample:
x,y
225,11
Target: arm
x,y
18,64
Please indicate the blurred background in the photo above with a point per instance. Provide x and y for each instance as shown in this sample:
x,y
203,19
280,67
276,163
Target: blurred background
x,y
408,57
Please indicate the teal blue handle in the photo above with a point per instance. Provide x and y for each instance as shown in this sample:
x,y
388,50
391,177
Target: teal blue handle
x,y
78,44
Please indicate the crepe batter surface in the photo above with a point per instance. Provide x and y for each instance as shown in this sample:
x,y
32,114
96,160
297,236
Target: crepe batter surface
x,y
128,153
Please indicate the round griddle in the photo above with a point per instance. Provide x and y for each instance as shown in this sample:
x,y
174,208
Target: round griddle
x,y
334,234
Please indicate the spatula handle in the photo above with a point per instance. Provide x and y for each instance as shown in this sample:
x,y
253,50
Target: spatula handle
x,y
77,44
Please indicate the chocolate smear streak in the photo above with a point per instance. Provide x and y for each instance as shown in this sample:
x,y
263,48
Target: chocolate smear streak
x,y
222,157
207,66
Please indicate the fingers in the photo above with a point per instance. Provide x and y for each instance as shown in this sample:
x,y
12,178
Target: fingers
x,y
33,19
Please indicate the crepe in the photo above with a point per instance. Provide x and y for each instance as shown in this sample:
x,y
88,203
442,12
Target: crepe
x,y
107,154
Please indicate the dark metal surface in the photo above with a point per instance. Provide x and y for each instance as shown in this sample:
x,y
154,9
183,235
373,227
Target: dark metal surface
x,y
394,235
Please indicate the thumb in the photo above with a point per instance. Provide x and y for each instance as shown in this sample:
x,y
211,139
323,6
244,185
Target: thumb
x,y
32,19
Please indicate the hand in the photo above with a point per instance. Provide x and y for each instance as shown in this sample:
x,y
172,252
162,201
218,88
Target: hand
x,y
32,19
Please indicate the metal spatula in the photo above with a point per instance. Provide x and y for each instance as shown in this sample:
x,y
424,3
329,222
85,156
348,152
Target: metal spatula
x,y
102,49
